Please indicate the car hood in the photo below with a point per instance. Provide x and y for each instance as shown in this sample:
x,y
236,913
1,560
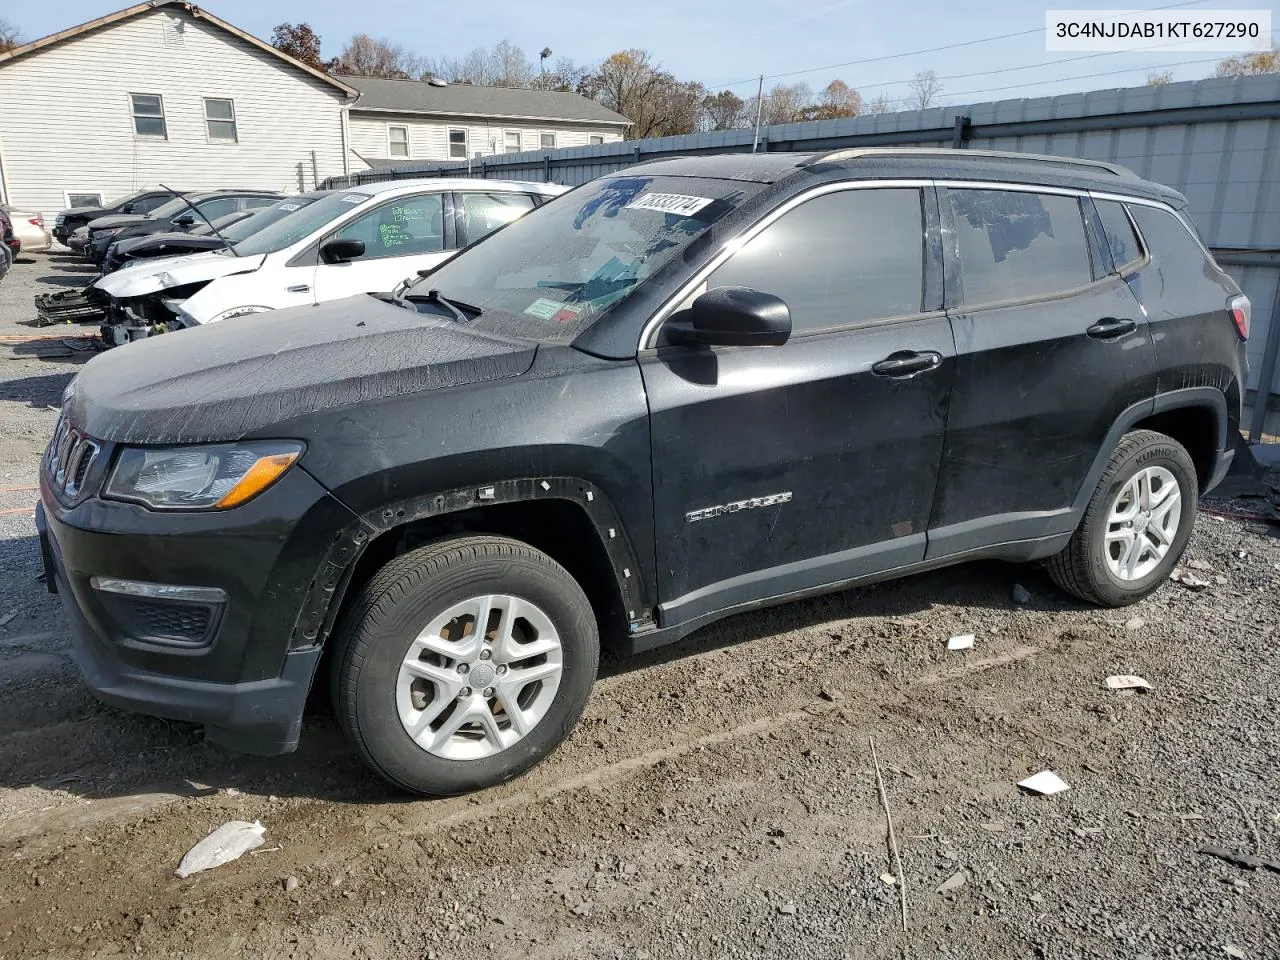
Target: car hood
x,y
117,220
249,374
169,240
175,272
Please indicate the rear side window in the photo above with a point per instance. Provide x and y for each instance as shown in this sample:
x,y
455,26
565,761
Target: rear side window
x,y
483,213
1016,245
843,258
1179,261
1125,248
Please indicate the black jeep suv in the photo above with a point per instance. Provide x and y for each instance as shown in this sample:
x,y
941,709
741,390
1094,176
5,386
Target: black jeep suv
x,y
688,389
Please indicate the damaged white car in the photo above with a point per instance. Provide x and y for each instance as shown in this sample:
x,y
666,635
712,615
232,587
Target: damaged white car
x,y
364,240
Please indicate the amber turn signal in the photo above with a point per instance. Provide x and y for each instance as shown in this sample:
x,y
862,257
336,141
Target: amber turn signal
x,y
258,477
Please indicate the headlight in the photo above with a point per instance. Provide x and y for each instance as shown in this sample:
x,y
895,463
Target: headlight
x,y
103,234
237,312
217,476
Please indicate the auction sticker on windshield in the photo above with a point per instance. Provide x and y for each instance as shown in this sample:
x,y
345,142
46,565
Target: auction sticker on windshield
x,y
543,309
669,203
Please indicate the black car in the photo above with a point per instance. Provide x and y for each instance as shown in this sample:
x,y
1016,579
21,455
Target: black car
x,y
202,238
688,389
179,214
141,202
9,245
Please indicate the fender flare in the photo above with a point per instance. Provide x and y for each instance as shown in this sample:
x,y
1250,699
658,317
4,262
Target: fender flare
x,y
327,589
1210,398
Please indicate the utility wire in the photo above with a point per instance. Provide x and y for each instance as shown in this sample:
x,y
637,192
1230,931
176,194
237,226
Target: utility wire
x,y
948,46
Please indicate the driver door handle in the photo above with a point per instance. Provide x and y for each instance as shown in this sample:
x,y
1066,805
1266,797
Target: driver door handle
x,y
1109,328
906,363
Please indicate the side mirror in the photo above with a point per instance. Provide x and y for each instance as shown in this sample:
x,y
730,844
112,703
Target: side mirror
x,y
341,250
732,316
184,220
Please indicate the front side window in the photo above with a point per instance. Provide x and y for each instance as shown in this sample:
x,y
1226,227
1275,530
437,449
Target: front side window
x,y
483,213
213,209
1017,245
1125,249
547,141
400,227
148,115
511,141
220,120
554,272
397,140
457,144
839,259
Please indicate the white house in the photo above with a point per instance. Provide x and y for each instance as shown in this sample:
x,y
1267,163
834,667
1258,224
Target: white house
x,y
162,92
400,122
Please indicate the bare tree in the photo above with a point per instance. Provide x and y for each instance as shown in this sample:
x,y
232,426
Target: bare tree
x,y
722,111
784,103
363,56
658,105
1249,64
10,36
1158,78
565,76
837,100
881,104
925,90
503,65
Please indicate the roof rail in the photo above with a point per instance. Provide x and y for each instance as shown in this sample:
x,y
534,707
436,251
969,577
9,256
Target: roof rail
x,y
861,153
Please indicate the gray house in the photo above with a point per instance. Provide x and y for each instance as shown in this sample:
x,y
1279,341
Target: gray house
x,y
399,121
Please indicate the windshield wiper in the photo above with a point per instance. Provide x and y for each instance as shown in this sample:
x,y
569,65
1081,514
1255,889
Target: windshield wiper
x,y
456,307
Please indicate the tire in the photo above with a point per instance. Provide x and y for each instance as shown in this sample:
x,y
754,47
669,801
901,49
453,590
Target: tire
x,y
376,696
1083,567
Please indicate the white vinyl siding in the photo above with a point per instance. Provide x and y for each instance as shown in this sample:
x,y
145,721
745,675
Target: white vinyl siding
x,y
220,120
430,137
148,114
397,140
282,114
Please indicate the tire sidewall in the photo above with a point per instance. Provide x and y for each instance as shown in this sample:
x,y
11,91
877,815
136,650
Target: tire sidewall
x,y
1158,453
373,680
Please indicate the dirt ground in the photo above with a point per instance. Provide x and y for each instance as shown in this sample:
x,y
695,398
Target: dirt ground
x,y
719,798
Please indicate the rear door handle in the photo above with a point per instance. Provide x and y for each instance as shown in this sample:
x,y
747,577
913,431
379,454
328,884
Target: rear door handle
x,y
1109,328
298,288
906,363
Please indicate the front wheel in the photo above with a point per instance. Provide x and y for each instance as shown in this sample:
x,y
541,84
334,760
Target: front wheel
x,y
1136,525
462,664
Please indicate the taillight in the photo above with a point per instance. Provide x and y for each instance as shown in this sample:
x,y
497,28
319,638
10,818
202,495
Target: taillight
x,y
1241,310
36,221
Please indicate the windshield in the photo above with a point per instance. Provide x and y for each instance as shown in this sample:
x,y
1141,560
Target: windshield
x,y
169,209
556,271
264,218
288,230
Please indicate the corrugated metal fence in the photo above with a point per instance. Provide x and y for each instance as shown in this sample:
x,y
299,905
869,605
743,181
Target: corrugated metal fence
x,y
1217,141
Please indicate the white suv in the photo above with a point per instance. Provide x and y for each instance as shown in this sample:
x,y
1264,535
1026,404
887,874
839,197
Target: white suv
x,y
343,242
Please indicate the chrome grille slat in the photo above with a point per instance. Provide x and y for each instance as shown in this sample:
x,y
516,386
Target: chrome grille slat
x,y
69,458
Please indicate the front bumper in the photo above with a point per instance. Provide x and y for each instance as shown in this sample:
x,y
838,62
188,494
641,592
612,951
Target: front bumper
x,y
248,683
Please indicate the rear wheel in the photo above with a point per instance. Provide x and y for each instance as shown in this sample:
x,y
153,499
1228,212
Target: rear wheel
x,y
1136,525
462,664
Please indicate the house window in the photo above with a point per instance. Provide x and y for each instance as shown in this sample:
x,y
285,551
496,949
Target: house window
x,y
74,199
148,115
457,143
397,140
548,141
595,140
220,119
511,141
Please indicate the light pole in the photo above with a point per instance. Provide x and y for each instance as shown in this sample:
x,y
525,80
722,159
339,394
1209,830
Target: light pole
x,y
542,59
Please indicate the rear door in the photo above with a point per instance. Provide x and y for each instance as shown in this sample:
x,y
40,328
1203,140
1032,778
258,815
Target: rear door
x,y
778,469
1051,347
400,236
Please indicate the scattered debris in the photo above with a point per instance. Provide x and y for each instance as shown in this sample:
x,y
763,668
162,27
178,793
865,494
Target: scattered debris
x,y
1045,782
1127,681
8,618
1083,832
1243,860
290,884
888,879
583,909
787,909
229,842
1134,623
831,696
275,849
994,827
1184,817
1188,580
1200,565
953,882
893,843
232,792
962,642
1021,595
1233,951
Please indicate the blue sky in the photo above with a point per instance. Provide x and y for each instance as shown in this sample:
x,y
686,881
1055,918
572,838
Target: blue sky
x,y
719,41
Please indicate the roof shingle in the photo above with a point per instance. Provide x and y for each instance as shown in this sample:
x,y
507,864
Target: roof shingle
x,y
464,99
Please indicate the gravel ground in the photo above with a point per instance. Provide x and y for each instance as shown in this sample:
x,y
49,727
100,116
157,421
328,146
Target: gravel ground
x,y
719,798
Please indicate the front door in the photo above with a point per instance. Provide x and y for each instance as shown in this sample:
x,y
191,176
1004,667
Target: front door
x,y
401,237
779,469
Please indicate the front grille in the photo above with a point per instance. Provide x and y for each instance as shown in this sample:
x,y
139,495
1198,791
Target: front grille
x,y
62,218
172,620
70,456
